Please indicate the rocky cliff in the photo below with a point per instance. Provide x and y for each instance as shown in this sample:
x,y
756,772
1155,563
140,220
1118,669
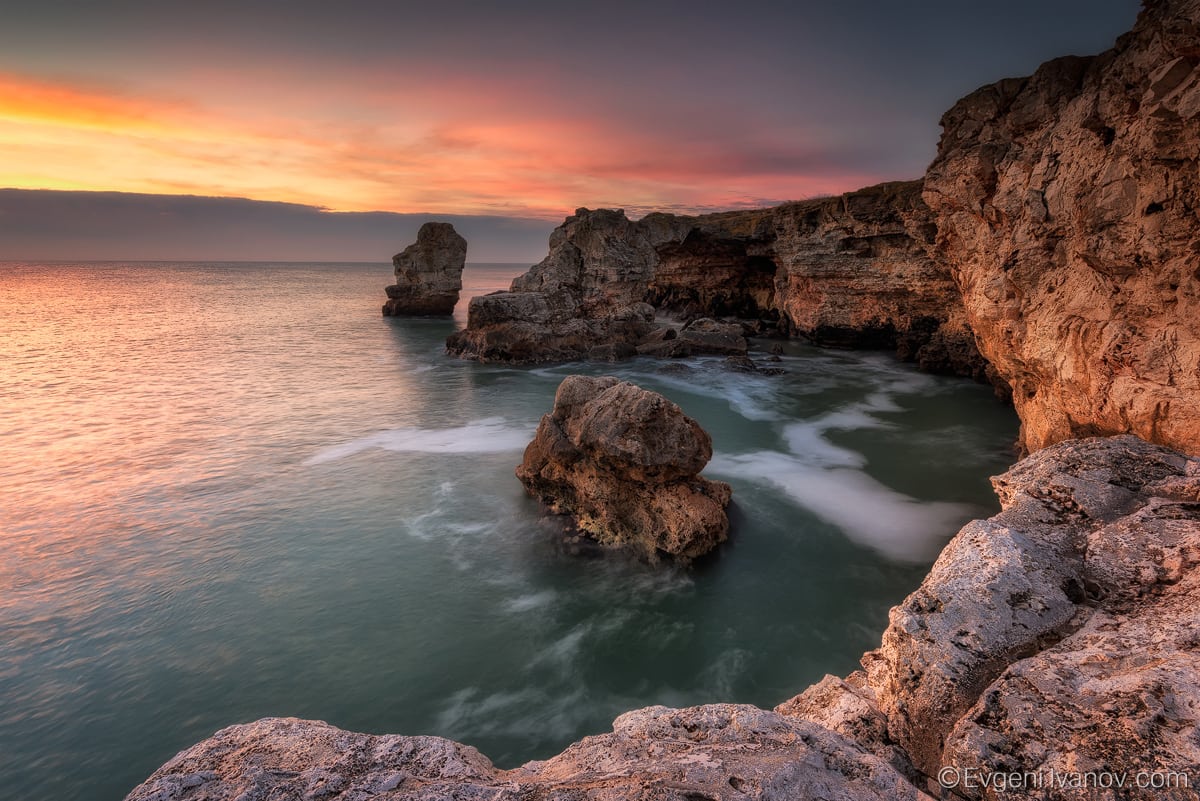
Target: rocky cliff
x,y
1057,639
428,273
586,294
852,270
1067,206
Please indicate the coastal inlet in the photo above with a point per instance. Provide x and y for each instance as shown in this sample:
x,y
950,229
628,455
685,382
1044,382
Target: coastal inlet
x,y
228,493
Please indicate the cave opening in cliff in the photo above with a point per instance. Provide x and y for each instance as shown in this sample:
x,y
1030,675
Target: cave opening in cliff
x,y
737,286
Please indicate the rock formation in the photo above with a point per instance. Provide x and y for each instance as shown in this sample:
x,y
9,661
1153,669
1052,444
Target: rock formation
x,y
722,751
1067,205
586,293
624,462
1057,638
428,273
852,271
1061,634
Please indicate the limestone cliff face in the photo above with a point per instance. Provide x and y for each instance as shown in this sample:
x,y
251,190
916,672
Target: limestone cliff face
x,y
856,271
851,271
1067,206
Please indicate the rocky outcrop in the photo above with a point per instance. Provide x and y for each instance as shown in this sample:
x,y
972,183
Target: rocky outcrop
x,y
428,273
587,293
721,751
1018,652
1067,205
856,271
624,463
1057,640
849,271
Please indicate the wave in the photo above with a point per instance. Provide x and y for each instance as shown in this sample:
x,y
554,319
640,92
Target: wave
x,y
898,526
491,435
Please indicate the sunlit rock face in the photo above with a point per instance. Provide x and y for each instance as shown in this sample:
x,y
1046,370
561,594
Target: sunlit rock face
x,y
847,271
624,463
1067,205
1059,635
856,271
428,273
587,293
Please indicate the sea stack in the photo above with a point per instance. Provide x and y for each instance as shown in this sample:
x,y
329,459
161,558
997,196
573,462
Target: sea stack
x,y
428,273
624,463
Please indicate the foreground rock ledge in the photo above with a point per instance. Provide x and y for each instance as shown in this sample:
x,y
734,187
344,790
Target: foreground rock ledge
x,y
625,464
1059,637
428,273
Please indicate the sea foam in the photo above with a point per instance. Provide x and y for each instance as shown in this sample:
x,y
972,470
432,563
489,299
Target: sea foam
x,y
490,435
830,480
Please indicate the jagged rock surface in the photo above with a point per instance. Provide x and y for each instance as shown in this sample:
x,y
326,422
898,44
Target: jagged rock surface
x,y
1067,204
624,463
587,293
428,273
719,751
852,270
1060,635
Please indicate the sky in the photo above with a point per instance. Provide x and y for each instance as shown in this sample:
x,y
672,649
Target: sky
x,y
504,110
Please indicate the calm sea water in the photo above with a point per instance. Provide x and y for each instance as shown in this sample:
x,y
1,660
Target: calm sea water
x,y
230,491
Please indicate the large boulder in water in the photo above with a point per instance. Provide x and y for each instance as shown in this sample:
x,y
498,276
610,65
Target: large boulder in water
x,y
624,462
428,273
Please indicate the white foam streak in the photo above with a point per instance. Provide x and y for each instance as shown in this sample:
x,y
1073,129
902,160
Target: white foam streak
x,y
829,480
491,435
869,513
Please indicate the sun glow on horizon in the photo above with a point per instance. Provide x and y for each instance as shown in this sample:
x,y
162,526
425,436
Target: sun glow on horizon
x,y
450,158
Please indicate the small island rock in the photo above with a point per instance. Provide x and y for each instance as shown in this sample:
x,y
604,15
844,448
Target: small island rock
x,y
428,273
624,462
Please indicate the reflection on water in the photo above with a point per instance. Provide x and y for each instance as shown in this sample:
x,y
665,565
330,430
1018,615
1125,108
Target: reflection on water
x,y
232,491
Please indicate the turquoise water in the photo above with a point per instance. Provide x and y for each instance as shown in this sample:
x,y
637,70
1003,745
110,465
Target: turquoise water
x,y
233,491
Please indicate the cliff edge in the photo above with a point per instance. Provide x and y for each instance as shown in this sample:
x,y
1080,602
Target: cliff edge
x,y
1067,206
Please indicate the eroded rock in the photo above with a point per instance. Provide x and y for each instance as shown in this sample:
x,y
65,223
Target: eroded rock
x,y
624,463
852,271
1067,205
586,294
1021,652
428,273
719,751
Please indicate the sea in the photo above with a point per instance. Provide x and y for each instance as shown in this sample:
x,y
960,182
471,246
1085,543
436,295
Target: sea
x,y
232,491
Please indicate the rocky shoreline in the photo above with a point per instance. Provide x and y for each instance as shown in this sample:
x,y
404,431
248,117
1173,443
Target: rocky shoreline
x,y
1058,637
1054,245
850,271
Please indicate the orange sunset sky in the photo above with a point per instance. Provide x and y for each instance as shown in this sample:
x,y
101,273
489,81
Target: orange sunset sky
x,y
523,110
